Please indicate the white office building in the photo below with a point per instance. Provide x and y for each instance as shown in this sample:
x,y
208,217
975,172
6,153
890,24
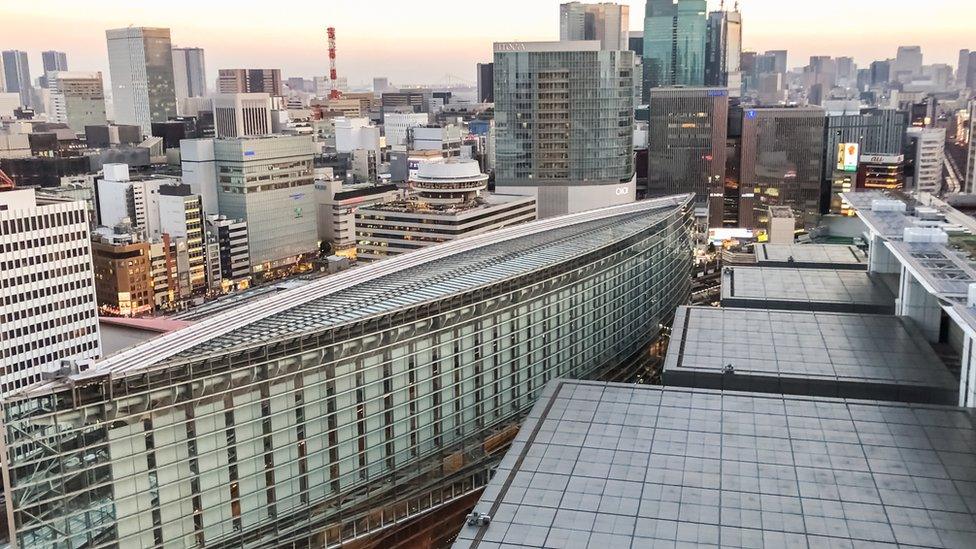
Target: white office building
x,y
48,311
122,197
242,114
199,168
356,133
396,125
928,145
337,205
451,202
268,182
140,63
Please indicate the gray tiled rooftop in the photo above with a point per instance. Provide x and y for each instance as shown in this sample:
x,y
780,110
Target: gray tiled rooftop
x,y
811,256
810,353
608,465
805,290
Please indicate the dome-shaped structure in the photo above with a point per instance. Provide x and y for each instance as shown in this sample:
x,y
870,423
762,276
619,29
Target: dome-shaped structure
x,y
449,183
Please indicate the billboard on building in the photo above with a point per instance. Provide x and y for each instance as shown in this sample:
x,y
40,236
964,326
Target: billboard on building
x,y
847,156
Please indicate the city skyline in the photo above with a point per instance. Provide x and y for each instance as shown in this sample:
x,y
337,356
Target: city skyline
x,y
398,43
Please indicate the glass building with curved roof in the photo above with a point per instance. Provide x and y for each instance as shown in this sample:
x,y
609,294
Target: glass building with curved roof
x,y
338,409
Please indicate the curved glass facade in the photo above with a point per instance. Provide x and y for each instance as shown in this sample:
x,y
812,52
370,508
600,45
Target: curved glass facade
x,y
333,416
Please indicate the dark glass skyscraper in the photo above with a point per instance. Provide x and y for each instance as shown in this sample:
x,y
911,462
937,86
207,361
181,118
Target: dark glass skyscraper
x,y
16,74
686,144
486,82
674,43
724,51
52,61
782,159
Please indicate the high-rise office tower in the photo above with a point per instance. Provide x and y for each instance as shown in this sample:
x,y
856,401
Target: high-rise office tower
x,y
607,22
962,68
280,213
48,311
242,114
16,73
77,99
486,82
564,124
880,72
686,152
782,156
780,60
926,148
52,61
971,71
674,43
873,131
723,51
381,84
250,81
140,61
908,63
189,73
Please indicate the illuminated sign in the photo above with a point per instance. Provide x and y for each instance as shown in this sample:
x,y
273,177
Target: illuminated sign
x,y
622,191
883,159
248,153
847,156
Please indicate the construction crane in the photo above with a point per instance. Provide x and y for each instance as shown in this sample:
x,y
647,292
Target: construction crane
x,y
6,184
333,74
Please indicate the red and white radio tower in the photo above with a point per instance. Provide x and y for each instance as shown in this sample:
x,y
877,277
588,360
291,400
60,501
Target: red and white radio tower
x,y
333,74
6,184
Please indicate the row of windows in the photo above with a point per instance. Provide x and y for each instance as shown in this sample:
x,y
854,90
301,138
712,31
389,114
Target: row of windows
x,y
43,343
41,222
59,289
43,258
49,361
47,274
30,243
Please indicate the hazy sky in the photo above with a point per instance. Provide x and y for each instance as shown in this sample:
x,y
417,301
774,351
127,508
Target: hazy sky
x,y
423,41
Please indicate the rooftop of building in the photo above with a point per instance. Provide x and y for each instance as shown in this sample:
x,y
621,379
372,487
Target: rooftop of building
x,y
417,206
423,276
118,334
806,290
547,46
781,211
824,256
610,465
945,264
810,353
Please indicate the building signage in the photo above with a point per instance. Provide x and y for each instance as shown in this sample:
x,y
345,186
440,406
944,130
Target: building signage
x,y
509,46
622,191
847,156
883,159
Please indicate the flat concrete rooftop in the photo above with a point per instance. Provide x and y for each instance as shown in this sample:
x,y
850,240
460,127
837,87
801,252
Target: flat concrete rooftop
x,y
811,256
794,289
612,465
806,353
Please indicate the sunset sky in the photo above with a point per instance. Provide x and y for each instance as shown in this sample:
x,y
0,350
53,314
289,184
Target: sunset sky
x,y
422,41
